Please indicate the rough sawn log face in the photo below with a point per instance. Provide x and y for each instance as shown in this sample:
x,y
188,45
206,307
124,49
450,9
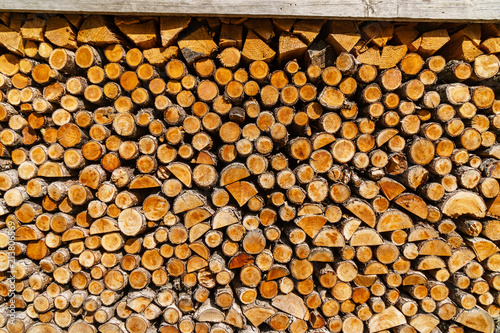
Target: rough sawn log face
x,y
249,174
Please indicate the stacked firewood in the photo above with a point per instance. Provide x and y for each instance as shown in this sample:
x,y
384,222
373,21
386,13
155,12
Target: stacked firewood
x,y
226,175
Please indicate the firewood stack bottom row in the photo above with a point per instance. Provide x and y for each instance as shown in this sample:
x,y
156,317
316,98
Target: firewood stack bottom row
x,y
220,175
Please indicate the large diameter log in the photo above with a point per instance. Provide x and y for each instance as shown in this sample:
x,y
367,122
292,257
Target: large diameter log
x,y
386,319
476,319
464,203
132,222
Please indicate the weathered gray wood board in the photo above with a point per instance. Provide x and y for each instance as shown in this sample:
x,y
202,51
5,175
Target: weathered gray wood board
x,y
421,10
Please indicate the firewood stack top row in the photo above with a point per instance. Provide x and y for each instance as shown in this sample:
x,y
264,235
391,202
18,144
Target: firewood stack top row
x,y
221,175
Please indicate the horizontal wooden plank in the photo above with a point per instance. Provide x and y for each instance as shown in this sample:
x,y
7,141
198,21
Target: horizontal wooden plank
x,y
415,10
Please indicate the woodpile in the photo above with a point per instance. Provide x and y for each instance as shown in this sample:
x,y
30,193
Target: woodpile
x,y
220,175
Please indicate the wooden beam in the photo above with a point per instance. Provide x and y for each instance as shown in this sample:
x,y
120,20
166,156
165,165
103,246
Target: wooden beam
x,y
403,10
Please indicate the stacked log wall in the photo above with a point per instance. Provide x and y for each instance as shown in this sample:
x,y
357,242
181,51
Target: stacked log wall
x,y
185,174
